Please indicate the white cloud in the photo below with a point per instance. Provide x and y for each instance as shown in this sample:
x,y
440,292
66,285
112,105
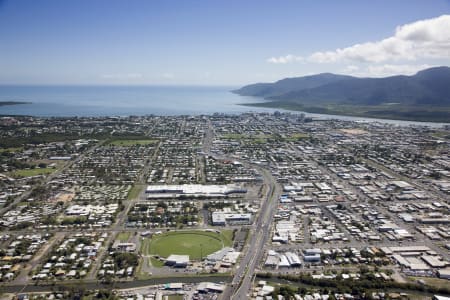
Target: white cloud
x,y
385,70
351,68
389,70
122,76
428,38
285,59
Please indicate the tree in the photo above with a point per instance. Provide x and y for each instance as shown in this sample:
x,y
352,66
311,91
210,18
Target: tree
x,y
106,294
49,220
124,259
364,269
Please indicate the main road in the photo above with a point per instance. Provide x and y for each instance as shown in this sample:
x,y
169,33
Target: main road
x,y
240,286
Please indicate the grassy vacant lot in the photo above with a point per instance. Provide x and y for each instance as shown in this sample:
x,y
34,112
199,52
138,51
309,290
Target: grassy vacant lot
x,y
135,190
175,297
254,139
156,262
123,236
128,143
195,243
442,134
33,172
11,150
296,137
431,281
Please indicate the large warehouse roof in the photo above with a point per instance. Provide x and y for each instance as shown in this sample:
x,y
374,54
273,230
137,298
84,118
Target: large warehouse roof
x,y
195,189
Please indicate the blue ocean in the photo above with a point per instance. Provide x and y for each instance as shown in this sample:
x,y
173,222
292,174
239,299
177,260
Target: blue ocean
x,y
92,101
68,101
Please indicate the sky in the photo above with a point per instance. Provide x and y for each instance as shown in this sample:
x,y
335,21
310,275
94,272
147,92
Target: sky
x,y
212,42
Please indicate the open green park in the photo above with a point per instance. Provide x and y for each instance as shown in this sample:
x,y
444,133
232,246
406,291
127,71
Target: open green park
x,y
135,191
195,243
11,150
129,143
123,237
33,172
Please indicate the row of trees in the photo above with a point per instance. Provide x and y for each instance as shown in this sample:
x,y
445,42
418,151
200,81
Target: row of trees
x,y
368,282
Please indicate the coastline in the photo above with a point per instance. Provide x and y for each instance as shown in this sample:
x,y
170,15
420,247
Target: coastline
x,y
98,101
6,103
435,116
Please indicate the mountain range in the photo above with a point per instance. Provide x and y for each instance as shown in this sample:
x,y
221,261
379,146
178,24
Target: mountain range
x,y
427,87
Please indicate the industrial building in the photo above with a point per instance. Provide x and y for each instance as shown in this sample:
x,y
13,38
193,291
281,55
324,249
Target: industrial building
x,y
177,261
221,219
312,258
444,273
192,191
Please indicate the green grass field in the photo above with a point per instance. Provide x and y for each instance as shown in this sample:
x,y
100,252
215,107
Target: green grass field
x,y
135,190
196,244
156,262
123,236
175,297
12,150
442,134
431,281
33,172
296,137
128,143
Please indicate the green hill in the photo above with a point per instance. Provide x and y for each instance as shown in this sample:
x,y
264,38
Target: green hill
x,y
414,97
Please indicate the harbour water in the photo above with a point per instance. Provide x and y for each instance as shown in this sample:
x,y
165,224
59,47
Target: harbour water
x,y
65,101
89,101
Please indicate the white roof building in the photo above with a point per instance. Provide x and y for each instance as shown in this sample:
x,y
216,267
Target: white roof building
x,y
221,218
178,261
199,190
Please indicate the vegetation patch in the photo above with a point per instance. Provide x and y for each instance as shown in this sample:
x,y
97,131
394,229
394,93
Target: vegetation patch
x,y
296,137
157,263
431,281
11,150
438,134
134,192
129,143
174,297
33,172
145,246
382,111
123,236
164,214
196,244
5,103
367,282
